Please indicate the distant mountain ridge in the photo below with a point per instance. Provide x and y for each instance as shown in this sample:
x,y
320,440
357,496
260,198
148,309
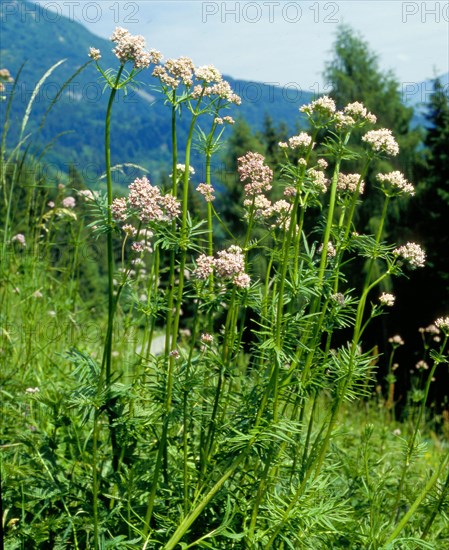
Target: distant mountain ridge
x,y
141,123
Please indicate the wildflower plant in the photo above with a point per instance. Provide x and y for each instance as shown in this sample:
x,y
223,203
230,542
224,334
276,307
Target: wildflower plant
x,y
229,435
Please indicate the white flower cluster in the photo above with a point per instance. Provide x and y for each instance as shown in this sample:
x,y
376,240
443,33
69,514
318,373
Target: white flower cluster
x,y
221,89
397,180
132,48
318,179
94,54
322,106
382,141
396,340
222,120
175,71
295,142
387,299
443,324
413,253
350,182
208,73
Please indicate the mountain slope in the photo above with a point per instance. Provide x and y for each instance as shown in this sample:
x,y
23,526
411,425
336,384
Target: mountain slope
x,y
140,122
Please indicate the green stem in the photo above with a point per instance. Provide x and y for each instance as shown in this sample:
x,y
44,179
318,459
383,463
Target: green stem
x,y
107,354
172,332
418,500
188,520
438,506
411,443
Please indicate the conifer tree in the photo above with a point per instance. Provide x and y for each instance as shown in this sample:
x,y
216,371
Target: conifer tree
x,y
354,74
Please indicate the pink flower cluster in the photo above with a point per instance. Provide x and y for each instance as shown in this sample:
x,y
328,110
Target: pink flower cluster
x,y
350,182
228,264
131,48
207,338
204,267
175,71
207,191
147,203
252,167
69,202
261,205
330,250
20,239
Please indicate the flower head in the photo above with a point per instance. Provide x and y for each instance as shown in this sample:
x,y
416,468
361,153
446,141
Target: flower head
x,y
323,106
338,298
132,48
387,299
207,191
350,182
252,168
204,267
242,280
230,262
146,202
88,195
413,253
359,113
94,54
302,140
262,207
431,329
318,179
207,338
20,239
221,89
331,252
175,71
181,168
442,323
208,74
397,182
396,340
5,75
69,202
382,141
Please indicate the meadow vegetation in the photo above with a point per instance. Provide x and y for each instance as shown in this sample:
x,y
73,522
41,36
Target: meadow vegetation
x,y
173,379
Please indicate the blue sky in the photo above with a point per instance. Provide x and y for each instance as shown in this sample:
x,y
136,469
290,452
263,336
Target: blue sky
x,y
279,42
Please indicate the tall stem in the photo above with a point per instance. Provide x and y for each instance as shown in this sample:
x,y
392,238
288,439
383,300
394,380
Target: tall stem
x,y
411,443
172,331
106,367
